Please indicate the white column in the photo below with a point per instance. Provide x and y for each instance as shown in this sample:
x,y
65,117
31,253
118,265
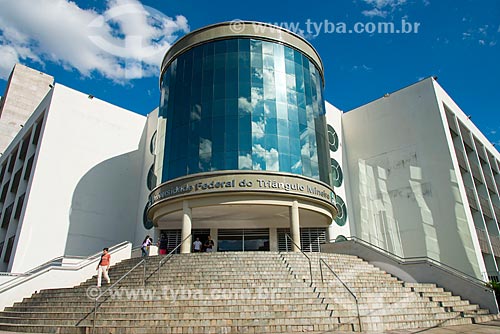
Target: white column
x,y
213,234
273,239
295,225
186,228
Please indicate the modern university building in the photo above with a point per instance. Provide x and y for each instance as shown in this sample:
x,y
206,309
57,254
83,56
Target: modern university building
x,y
243,147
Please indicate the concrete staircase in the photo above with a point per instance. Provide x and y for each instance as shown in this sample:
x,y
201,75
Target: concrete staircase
x,y
384,302
251,292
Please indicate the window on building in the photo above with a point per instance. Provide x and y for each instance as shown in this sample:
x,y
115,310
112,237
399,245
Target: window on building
x,y
19,207
38,130
152,145
29,166
25,146
8,250
311,239
148,224
15,181
12,162
2,172
4,193
6,217
1,247
151,180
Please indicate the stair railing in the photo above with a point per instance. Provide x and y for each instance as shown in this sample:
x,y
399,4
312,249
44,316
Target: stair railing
x,y
96,305
321,261
169,256
287,236
418,259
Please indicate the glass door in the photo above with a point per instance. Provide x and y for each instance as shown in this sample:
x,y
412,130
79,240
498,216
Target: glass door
x,y
233,240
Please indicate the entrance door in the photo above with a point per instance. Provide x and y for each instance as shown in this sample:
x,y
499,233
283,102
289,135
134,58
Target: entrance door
x,y
231,240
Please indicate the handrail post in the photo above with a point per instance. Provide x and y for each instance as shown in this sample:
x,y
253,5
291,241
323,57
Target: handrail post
x,y
159,265
311,272
144,273
321,271
307,257
359,317
95,315
346,287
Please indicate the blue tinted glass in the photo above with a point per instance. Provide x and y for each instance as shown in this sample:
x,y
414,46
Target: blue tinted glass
x,y
243,104
284,163
244,45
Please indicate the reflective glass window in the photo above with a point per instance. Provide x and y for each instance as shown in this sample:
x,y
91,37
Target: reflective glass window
x,y
244,104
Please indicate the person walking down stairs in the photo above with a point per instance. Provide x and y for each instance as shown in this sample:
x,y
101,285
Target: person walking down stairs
x,y
145,245
103,267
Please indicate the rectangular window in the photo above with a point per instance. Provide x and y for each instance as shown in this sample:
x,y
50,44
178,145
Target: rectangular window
x,y
24,147
6,217
2,172
1,247
15,181
12,162
4,193
38,130
29,165
19,207
8,250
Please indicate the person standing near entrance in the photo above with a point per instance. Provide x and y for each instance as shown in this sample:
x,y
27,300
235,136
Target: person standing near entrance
x,y
163,244
209,245
197,245
145,246
103,267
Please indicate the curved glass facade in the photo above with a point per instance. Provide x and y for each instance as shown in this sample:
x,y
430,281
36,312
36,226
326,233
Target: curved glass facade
x,y
244,104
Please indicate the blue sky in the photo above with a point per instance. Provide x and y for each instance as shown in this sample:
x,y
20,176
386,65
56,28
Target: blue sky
x,y
83,44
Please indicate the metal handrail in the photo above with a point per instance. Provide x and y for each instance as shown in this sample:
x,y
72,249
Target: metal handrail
x,y
169,256
307,257
54,263
345,286
417,259
96,306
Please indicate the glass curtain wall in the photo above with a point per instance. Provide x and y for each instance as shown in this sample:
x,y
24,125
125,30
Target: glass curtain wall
x,y
244,104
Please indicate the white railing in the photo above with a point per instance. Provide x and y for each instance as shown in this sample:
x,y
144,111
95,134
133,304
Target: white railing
x,y
61,272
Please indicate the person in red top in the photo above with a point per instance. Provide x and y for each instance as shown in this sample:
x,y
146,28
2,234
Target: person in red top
x,y
103,267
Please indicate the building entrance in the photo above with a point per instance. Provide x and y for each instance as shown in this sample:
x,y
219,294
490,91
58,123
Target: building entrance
x,y
243,240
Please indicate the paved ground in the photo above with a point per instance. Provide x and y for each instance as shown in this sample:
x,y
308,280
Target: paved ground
x,y
492,327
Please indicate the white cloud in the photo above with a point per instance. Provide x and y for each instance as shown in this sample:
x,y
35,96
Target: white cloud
x,y
205,149
245,161
126,41
385,3
375,12
258,128
361,67
484,35
382,8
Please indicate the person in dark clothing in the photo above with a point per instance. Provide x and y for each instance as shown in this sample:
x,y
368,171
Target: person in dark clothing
x,y
162,244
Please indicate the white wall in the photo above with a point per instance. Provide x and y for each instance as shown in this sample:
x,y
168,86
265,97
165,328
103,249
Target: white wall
x,y
405,191
334,119
67,275
84,190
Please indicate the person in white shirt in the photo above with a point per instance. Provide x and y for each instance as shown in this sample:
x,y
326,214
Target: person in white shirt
x,y
197,245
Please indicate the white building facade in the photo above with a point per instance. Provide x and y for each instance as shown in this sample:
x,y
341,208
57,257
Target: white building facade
x,y
409,173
